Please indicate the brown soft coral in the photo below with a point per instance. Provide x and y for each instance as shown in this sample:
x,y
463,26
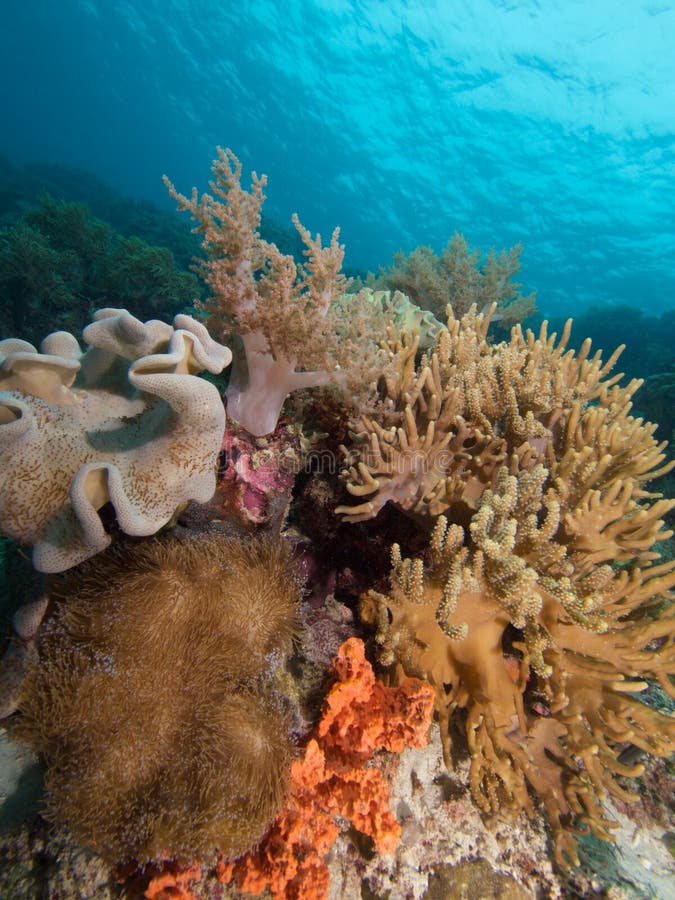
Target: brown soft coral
x,y
461,278
541,606
361,716
154,699
546,656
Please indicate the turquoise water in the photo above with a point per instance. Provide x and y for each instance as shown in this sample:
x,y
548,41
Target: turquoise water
x,y
550,123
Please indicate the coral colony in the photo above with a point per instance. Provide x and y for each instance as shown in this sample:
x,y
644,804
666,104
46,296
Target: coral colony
x,y
491,527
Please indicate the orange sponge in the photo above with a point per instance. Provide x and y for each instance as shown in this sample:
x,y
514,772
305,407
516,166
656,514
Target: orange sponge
x,y
361,716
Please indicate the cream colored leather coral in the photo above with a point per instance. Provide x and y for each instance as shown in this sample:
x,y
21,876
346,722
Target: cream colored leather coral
x,y
126,422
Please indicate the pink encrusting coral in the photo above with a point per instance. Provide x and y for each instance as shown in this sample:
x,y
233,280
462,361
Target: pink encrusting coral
x,y
332,779
256,476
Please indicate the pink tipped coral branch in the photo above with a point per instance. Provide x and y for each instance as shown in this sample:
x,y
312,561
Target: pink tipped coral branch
x,y
281,310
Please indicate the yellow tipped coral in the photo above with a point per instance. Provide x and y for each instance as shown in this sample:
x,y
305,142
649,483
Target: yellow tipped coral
x,y
471,406
542,607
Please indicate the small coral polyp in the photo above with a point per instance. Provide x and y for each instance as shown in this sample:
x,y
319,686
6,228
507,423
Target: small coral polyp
x,y
542,607
127,422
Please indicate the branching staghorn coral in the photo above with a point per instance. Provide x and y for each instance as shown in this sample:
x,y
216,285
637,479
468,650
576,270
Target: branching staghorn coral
x,y
542,608
448,423
155,697
127,423
459,278
292,329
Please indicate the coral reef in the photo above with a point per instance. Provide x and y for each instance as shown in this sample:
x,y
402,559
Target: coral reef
x,y
361,716
497,531
540,607
125,423
460,277
154,700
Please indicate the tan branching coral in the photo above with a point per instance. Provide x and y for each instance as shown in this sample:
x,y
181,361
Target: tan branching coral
x,y
460,277
155,698
125,423
448,423
542,607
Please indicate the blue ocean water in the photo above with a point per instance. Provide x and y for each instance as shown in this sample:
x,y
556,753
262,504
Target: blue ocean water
x,y
549,122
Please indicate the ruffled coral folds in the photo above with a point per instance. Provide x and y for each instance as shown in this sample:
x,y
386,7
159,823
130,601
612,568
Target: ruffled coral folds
x,y
126,423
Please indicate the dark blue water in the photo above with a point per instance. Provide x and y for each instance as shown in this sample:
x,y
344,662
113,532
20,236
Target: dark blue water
x,y
550,123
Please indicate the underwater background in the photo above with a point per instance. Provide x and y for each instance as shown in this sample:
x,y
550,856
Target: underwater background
x,y
545,123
